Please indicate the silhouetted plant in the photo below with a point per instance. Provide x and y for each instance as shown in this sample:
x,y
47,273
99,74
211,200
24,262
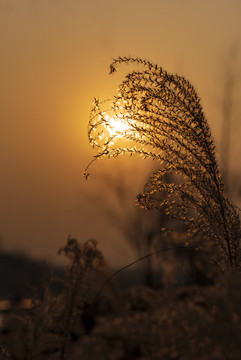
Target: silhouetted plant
x,y
51,322
192,322
158,115
84,259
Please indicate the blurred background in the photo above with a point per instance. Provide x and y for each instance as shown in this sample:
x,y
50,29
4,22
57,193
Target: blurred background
x,y
55,57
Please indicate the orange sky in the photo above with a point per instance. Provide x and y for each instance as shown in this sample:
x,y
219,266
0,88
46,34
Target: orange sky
x,y
54,61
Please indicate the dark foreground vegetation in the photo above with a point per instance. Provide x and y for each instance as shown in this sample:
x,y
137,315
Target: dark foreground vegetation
x,y
193,314
194,311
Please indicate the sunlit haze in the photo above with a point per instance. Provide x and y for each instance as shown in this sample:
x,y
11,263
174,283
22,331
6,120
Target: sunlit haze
x,y
117,126
55,58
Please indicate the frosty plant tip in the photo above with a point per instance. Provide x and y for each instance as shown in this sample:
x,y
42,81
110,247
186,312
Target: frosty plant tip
x,y
158,115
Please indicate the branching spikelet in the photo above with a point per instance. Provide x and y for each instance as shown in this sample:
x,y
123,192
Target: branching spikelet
x,y
161,118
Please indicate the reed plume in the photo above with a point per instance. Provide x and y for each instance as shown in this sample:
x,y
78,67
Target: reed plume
x,y
158,115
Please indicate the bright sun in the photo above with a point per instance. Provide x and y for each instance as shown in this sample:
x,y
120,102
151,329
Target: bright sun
x,y
116,126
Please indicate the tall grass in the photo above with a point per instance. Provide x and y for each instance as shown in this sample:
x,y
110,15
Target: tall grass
x,y
161,118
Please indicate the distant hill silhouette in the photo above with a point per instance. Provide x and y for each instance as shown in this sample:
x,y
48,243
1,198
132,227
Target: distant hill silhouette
x,y
19,275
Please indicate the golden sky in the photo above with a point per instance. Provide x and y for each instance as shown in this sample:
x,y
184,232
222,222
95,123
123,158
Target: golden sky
x,y
54,61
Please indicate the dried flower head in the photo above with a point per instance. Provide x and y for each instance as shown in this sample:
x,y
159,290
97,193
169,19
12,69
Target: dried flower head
x,y
158,115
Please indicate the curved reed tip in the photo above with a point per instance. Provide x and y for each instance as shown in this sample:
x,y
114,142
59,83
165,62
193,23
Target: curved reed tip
x,y
112,69
86,175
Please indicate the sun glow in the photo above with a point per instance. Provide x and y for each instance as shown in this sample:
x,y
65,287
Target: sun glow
x,y
117,126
